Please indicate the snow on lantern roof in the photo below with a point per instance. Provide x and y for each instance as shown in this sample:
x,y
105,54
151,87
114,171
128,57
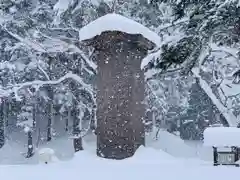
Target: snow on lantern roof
x,y
222,136
116,22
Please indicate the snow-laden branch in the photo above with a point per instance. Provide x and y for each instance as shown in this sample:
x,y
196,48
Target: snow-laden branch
x,y
151,74
229,51
5,18
229,116
44,72
68,43
41,48
231,119
155,95
27,42
166,26
15,88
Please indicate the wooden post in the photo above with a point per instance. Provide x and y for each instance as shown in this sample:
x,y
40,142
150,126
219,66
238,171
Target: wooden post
x,y
236,155
120,92
215,156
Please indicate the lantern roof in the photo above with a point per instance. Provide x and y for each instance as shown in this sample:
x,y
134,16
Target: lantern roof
x,y
116,22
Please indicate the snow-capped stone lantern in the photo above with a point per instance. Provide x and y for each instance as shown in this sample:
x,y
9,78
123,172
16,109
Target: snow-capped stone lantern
x,y
120,45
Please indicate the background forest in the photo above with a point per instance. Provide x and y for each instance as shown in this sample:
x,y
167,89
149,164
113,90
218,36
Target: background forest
x,y
47,76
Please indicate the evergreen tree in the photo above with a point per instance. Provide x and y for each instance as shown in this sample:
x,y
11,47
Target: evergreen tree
x,y
30,39
200,113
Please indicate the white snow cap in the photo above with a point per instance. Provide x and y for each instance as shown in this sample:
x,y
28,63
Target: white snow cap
x,y
222,136
46,155
27,129
116,22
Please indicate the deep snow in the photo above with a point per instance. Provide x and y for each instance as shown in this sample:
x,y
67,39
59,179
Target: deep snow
x,y
165,158
222,136
13,151
146,164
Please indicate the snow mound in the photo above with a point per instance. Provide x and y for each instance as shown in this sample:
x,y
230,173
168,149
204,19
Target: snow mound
x,y
47,155
88,166
171,144
222,136
116,22
143,155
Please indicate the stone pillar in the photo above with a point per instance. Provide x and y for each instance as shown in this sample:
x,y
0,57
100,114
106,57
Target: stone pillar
x,y
120,93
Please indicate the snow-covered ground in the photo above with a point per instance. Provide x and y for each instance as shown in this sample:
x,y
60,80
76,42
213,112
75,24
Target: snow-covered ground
x,y
177,147
148,163
13,151
168,157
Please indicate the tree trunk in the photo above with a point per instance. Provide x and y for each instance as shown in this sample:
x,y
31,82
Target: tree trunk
x,y
77,141
34,115
51,96
50,114
93,120
6,113
66,124
68,119
49,125
30,145
2,136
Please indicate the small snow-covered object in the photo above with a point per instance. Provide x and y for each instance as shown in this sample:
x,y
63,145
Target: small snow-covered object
x,y
222,136
26,129
46,155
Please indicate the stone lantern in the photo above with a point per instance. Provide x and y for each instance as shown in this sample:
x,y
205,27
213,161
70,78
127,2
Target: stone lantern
x,y
120,45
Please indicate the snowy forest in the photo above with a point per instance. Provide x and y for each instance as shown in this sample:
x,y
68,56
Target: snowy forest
x,y
47,76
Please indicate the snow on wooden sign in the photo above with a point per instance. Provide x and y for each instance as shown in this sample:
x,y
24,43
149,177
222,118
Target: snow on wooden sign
x,y
222,136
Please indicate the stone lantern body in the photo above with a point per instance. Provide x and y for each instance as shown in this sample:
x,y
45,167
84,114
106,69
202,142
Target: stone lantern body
x,y
120,91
